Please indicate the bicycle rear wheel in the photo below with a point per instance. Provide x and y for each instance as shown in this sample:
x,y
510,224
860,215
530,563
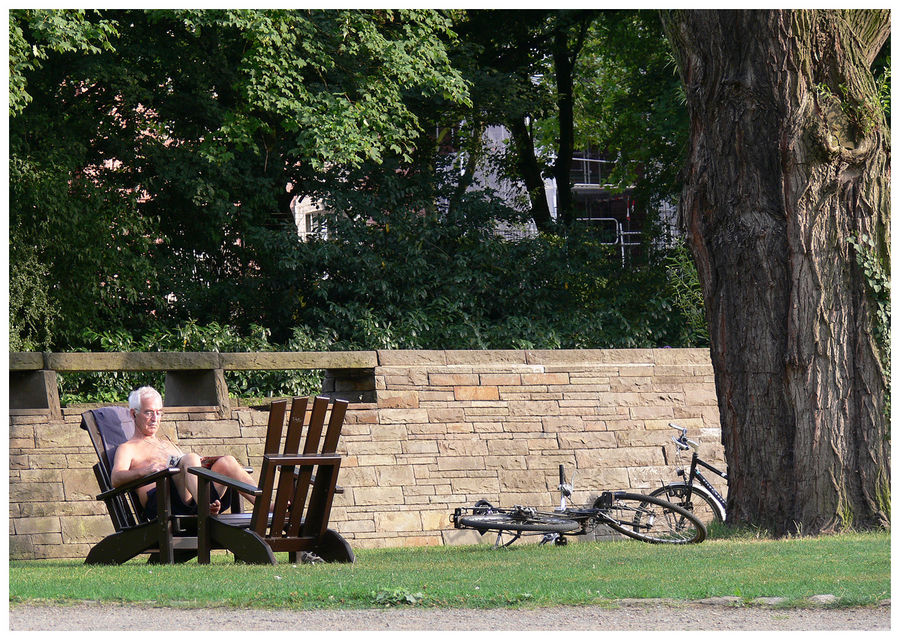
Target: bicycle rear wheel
x,y
508,522
701,504
651,519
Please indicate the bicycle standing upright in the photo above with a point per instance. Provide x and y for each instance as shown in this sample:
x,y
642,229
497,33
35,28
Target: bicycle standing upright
x,y
694,492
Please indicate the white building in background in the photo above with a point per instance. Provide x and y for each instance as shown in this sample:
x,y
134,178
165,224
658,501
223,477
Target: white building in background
x,y
310,216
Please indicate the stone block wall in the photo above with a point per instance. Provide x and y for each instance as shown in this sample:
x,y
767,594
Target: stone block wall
x,y
446,428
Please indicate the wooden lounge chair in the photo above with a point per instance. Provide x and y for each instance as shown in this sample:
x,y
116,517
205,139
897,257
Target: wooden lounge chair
x,y
294,497
167,538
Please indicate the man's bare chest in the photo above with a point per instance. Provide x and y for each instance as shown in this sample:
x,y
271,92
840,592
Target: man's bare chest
x,y
147,451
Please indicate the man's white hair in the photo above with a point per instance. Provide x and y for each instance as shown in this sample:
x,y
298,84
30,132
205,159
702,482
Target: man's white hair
x,y
135,397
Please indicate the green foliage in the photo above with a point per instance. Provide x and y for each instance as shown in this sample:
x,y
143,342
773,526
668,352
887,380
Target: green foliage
x,y
394,274
687,293
630,103
876,272
394,597
31,316
146,167
36,33
883,82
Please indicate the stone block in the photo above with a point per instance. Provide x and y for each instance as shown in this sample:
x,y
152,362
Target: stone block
x,y
364,496
562,424
534,408
451,463
526,480
462,447
474,486
87,529
626,457
80,484
27,526
375,460
398,399
476,393
435,520
399,357
209,429
444,414
36,492
373,447
397,521
591,481
644,437
441,397
395,476
383,432
508,447
523,426
545,378
501,379
402,416
419,446
40,475
58,436
587,440
21,548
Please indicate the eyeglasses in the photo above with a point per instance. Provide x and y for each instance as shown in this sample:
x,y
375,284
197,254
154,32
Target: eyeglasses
x,y
149,413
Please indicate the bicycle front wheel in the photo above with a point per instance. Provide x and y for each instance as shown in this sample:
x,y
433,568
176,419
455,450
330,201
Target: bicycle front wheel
x,y
507,522
653,520
701,504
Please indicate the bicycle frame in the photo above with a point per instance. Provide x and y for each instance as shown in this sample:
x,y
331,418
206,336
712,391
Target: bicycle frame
x,y
682,443
696,473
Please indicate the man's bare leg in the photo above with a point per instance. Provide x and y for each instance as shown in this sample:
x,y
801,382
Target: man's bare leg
x,y
229,466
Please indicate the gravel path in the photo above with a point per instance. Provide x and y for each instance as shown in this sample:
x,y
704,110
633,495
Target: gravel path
x,y
652,615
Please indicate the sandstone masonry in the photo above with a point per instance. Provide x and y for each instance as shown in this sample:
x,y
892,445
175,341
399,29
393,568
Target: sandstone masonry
x,y
447,428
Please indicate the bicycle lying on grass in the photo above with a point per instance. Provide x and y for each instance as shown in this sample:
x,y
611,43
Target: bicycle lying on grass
x,y
700,498
644,518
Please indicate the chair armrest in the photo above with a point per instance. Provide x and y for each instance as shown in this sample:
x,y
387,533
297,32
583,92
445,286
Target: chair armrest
x,y
212,476
140,482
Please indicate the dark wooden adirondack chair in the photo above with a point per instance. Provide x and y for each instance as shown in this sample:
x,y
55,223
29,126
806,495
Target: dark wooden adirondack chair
x,y
294,497
167,538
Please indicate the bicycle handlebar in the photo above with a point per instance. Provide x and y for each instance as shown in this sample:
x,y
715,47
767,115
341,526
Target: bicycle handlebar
x,y
682,442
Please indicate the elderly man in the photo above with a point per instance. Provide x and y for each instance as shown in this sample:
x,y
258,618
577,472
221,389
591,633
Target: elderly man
x,y
144,453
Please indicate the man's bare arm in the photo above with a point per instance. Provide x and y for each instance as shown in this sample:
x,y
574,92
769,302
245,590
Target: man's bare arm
x,y
122,471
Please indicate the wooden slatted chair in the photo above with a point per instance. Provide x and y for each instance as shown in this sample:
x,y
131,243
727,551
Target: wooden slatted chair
x,y
294,497
167,538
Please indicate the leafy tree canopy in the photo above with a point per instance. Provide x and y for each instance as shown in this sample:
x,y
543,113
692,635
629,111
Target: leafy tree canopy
x,y
149,149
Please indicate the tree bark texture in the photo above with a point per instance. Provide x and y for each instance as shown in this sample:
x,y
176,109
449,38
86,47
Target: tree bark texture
x,y
789,162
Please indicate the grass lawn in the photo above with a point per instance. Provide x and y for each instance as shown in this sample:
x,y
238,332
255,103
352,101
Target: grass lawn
x,y
854,567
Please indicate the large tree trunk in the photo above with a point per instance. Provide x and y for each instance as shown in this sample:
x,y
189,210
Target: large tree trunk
x,y
789,164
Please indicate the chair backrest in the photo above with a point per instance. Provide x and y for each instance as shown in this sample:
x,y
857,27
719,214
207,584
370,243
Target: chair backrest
x,y
302,501
108,427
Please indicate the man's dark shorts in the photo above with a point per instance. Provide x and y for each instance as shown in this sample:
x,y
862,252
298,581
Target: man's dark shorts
x,y
179,508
